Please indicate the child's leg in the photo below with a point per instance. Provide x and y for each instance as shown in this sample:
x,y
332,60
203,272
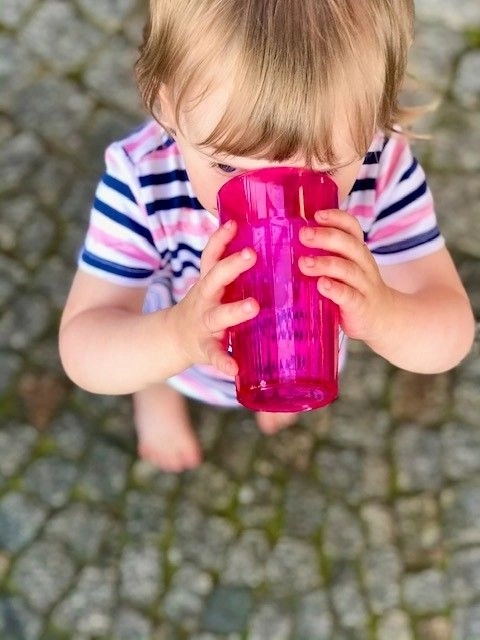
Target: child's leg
x,y
270,423
164,430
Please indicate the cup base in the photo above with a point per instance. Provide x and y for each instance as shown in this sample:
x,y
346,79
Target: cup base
x,y
288,398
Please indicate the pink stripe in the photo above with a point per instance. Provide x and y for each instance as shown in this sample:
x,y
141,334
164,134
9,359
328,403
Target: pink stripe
x,y
126,248
401,224
393,162
140,139
197,226
362,211
161,154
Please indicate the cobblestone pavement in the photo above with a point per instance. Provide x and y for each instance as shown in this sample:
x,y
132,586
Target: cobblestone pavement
x,y
361,523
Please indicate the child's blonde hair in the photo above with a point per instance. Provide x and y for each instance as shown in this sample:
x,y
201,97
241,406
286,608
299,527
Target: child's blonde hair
x,y
293,66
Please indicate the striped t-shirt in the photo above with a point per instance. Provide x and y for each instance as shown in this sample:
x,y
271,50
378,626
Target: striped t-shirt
x,y
148,229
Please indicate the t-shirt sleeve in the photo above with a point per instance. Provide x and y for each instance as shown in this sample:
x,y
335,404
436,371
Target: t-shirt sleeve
x,y
119,245
405,226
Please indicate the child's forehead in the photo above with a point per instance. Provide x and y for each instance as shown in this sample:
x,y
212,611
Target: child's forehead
x,y
199,117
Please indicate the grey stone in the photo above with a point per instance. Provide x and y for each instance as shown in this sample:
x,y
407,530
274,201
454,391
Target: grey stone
x,y
467,402
109,15
227,609
18,158
421,399
50,479
115,62
435,628
343,536
339,473
376,481
184,601
382,570
454,16
271,620
55,33
419,530
366,430
258,501
25,320
43,573
12,11
293,567
363,379
417,459
81,528
141,572
378,521
395,624
89,605
347,597
245,560
131,625
16,444
466,623
11,365
17,69
69,435
454,145
105,474
55,109
464,576
467,80
426,592
201,539
17,621
210,487
461,450
20,520
436,47
314,618
146,515
461,513
305,507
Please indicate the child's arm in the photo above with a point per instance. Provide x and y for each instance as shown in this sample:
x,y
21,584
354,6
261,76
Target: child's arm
x,y
415,314
108,346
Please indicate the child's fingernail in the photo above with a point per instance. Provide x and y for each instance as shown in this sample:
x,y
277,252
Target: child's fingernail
x,y
322,215
308,233
308,261
248,306
228,224
246,254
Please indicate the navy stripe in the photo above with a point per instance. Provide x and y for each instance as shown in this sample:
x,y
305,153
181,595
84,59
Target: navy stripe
x,y
122,219
163,178
113,267
177,202
364,184
409,171
404,202
372,157
177,273
408,243
116,185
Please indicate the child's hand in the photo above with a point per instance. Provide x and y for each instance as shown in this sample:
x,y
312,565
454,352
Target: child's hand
x,y
349,275
200,318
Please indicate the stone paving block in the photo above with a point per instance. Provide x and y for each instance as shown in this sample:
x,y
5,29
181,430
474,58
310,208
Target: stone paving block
x,y
466,623
227,609
55,33
131,625
141,574
184,601
467,83
245,562
342,534
417,459
20,520
382,570
43,574
395,624
464,576
16,444
304,507
18,621
348,600
314,617
293,568
457,17
271,620
51,479
104,477
419,531
17,69
461,513
426,592
18,158
109,15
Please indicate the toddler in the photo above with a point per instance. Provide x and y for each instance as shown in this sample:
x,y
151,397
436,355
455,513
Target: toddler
x,y
236,85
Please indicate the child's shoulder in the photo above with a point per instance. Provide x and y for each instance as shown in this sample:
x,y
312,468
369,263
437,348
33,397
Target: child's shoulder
x,y
148,141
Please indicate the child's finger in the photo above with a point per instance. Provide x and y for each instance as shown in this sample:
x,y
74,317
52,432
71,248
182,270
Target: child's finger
x,y
216,245
336,241
220,359
226,271
227,315
338,219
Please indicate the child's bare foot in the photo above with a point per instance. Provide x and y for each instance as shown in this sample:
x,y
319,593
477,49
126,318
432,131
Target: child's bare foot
x,y
164,431
270,423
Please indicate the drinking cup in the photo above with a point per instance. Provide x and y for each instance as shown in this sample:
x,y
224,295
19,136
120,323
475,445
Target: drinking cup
x,y
288,354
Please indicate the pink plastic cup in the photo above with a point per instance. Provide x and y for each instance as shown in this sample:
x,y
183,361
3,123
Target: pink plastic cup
x,y
288,354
